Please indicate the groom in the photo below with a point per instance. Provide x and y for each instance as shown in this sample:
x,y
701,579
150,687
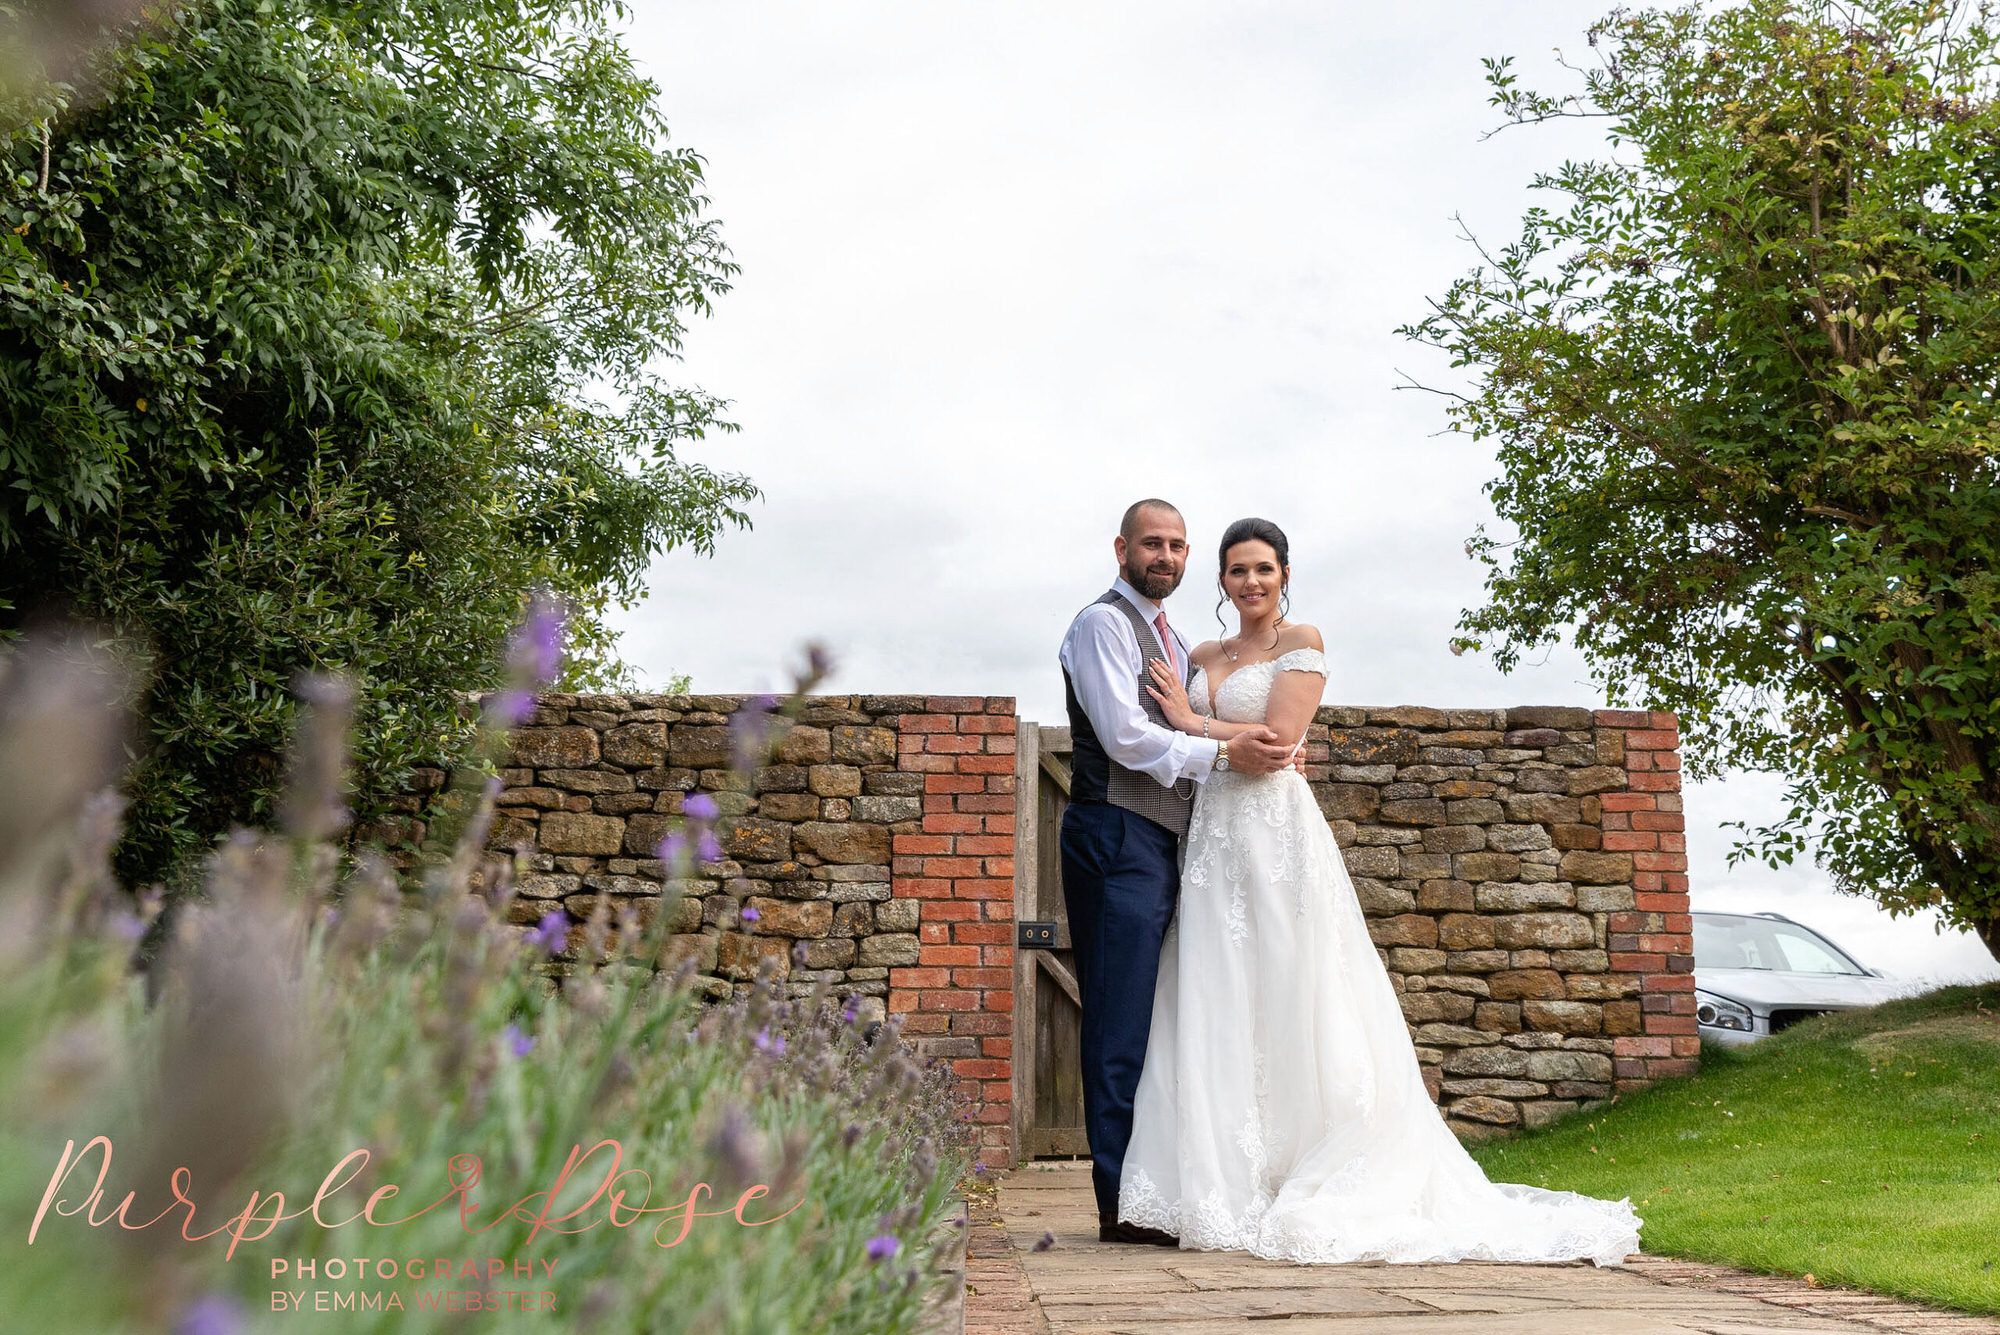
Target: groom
x,y
1131,790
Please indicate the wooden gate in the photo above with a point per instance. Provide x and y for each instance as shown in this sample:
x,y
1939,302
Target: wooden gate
x,y
1048,1079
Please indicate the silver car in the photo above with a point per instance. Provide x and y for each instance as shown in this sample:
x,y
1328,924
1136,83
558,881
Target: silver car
x,y
1756,974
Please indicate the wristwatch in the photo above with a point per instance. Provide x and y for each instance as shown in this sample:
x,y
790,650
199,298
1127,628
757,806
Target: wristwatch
x,y
1221,756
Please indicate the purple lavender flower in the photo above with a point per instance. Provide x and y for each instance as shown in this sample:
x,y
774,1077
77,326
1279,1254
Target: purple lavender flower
x,y
852,1008
733,1149
1043,1243
798,952
536,647
509,708
708,848
211,1314
750,731
552,932
978,1166
518,1043
764,1042
671,848
699,806
750,914
882,1247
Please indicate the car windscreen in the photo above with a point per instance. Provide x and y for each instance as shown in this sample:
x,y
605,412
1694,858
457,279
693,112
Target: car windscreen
x,y
1761,943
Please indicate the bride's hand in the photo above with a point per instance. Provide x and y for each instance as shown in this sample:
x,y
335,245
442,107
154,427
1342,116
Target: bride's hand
x,y
1172,695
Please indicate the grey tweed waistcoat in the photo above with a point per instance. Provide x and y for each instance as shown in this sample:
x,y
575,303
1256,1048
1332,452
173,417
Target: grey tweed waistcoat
x,y
1095,776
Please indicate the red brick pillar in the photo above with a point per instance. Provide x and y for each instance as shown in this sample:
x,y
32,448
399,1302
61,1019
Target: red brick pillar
x,y
1655,940
957,1002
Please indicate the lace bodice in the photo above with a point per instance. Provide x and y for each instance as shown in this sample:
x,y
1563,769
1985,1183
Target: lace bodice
x,y
1245,694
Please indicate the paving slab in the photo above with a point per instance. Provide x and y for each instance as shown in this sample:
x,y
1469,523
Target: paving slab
x,y
1075,1285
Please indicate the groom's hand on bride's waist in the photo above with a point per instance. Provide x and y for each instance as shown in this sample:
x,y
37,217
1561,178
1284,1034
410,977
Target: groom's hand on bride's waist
x,y
1259,752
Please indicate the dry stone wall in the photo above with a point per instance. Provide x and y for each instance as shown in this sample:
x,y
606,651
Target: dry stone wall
x,y
1524,873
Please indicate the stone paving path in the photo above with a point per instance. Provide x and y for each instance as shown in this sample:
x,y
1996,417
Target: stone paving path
x,y
1079,1286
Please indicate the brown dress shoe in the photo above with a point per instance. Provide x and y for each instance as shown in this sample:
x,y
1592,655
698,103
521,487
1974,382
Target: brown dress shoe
x,y
1110,1228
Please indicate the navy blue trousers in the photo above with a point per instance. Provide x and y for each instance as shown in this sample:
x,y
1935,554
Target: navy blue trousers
x,y
1121,876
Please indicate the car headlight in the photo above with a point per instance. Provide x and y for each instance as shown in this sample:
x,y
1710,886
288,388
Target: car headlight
x,y
1721,1012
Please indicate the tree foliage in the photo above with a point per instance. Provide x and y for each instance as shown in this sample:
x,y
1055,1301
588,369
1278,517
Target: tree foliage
x,y
328,329
1742,380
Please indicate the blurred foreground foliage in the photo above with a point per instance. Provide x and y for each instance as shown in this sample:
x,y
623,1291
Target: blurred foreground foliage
x,y
308,1007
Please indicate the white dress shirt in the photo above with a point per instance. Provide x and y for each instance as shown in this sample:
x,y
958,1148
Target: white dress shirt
x,y
1104,662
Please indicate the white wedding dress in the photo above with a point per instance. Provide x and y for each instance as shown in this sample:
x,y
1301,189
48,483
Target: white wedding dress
x,y
1281,1111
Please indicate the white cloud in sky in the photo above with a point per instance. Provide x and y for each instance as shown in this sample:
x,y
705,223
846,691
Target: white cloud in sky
x,y
1007,267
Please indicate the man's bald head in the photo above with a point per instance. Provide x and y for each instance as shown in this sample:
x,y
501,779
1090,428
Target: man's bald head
x,y
1128,527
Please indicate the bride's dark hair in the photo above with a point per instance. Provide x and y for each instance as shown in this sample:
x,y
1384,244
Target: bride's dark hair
x,y
1254,530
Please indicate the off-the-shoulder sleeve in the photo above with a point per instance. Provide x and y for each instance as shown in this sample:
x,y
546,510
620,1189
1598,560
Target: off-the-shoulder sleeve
x,y
1301,660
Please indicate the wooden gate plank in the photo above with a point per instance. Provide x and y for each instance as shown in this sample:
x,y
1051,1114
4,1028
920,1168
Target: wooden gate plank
x,y
1027,865
1063,976
1048,1088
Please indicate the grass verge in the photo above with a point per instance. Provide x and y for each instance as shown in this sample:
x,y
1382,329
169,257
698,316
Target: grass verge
x,y
1860,1148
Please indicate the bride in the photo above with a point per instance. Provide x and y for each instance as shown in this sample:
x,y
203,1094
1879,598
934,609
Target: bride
x,y
1280,1110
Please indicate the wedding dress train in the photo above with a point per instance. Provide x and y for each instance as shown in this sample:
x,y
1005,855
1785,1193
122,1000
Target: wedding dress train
x,y
1281,1110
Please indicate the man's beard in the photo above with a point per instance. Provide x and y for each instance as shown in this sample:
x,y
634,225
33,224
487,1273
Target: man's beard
x,y
1154,586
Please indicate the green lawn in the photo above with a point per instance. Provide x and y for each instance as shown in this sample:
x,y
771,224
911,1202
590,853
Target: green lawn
x,y
1863,1148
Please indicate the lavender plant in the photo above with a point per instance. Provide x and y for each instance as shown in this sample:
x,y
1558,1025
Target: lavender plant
x,y
326,1047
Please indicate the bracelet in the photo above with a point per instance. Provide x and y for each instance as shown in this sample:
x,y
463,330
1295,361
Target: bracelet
x,y
1204,725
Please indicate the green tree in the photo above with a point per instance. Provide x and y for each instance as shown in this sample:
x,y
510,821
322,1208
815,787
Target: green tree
x,y
329,329
1742,381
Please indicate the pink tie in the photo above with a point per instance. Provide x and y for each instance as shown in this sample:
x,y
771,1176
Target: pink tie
x,y
1166,641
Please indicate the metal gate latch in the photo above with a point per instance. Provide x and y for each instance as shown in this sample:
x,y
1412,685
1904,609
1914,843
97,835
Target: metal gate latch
x,y
1035,935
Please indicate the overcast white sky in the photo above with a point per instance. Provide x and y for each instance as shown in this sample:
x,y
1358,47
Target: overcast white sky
x,y
1009,266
